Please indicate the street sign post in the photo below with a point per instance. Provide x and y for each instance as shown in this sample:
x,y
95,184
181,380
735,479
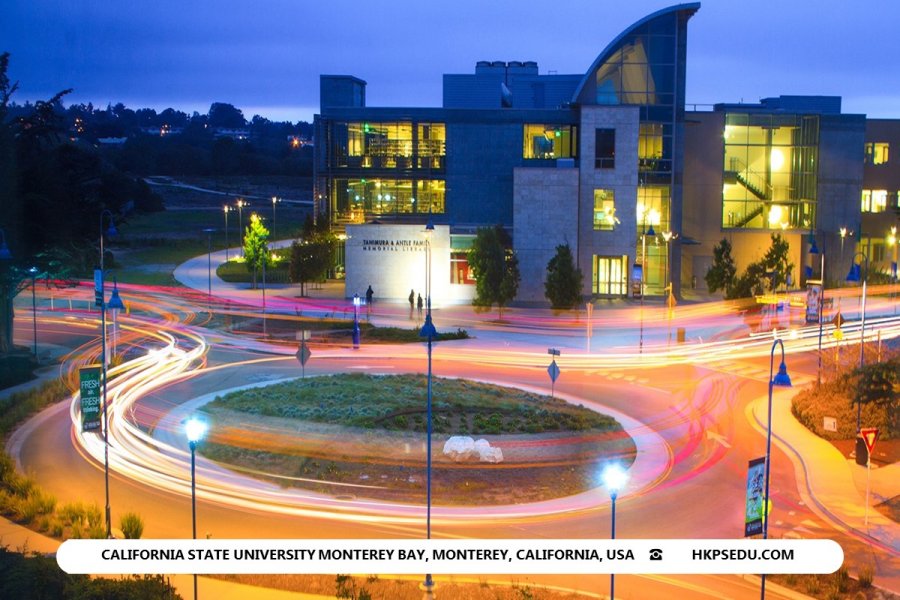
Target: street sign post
x,y
303,352
90,383
553,369
869,436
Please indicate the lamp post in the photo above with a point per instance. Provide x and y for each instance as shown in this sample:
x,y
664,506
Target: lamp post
x,y
274,202
644,235
5,254
33,271
614,478
892,241
115,305
428,331
194,429
356,321
101,298
209,231
240,205
813,250
226,209
852,276
781,379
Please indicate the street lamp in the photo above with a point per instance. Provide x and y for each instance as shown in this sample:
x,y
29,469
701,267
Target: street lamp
x,y
101,298
226,209
669,236
209,231
240,205
614,478
274,202
644,235
356,321
115,304
33,271
5,254
428,331
892,241
813,249
194,429
854,276
781,379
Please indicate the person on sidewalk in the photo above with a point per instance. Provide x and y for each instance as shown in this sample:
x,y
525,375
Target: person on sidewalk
x,y
412,300
419,305
370,294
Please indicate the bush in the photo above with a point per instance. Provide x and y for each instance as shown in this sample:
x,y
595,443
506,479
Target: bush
x,y
132,526
866,576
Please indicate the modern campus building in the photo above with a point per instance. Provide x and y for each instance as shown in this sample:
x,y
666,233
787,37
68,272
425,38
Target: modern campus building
x,y
608,161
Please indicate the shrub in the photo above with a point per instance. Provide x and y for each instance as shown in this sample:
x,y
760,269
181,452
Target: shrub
x,y
866,576
842,579
132,525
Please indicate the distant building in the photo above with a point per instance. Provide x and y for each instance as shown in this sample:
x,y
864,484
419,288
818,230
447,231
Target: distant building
x,y
606,161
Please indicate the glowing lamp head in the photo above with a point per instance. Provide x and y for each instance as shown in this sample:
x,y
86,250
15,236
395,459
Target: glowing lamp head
x,y
614,478
194,429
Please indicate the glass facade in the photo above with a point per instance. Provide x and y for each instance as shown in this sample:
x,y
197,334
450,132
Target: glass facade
x,y
400,145
354,199
549,141
652,210
770,171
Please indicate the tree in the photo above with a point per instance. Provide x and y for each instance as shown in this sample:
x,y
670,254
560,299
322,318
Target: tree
x,y
256,246
721,275
563,284
496,268
312,255
777,261
226,116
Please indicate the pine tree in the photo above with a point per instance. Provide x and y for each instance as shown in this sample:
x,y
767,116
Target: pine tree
x,y
563,284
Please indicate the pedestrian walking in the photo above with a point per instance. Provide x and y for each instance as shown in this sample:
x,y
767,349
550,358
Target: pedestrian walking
x,y
412,302
419,305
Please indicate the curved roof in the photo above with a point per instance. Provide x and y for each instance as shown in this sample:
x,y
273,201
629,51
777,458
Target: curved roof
x,y
613,46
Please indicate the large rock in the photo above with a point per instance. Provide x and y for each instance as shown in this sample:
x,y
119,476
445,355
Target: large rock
x,y
460,448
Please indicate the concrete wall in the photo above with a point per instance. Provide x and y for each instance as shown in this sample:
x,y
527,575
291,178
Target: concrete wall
x,y
703,179
392,259
545,215
623,179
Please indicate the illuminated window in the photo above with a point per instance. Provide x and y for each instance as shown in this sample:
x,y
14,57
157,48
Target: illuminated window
x,y
605,149
609,275
650,146
548,141
877,153
874,201
432,145
605,210
355,199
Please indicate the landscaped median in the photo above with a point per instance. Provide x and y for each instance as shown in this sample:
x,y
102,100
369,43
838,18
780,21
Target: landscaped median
x,y
364,435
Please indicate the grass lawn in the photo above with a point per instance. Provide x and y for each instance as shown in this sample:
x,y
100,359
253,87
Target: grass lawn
x,y
364,435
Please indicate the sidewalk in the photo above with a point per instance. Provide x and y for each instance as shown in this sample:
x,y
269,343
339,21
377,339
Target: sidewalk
x,y
826,481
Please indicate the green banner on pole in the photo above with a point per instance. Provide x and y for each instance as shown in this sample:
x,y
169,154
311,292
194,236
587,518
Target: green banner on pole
x,y
90,382
754,514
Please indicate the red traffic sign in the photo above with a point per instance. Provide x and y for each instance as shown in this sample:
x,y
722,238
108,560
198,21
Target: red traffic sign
x,y
869,436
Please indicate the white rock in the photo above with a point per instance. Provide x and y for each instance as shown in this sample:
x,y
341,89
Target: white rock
x,y
486,453
460,448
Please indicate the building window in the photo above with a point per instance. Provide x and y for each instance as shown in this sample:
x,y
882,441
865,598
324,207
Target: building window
x,y
609,275
877,153
605,148
650,147
460,271
605,210
355,199
874,201
432,145
549,141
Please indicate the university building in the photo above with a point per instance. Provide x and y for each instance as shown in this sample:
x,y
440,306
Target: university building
x,y
609,162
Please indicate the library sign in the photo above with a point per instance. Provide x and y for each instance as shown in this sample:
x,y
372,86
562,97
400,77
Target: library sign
x,y
388,245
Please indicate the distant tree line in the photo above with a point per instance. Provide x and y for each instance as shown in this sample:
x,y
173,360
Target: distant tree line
x,y
173,143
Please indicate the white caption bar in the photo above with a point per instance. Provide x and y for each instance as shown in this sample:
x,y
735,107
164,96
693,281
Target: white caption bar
x,y
449,556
